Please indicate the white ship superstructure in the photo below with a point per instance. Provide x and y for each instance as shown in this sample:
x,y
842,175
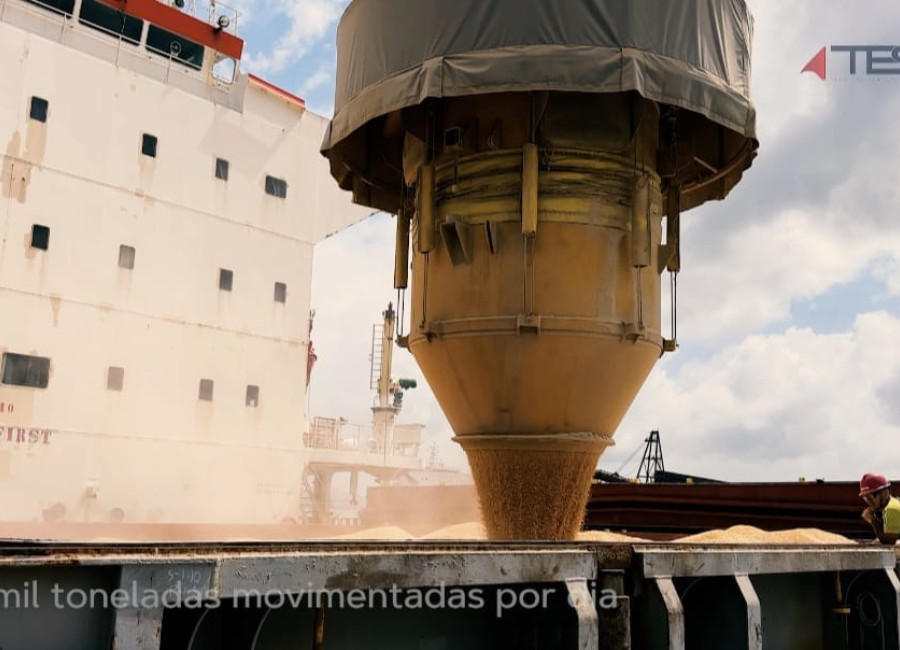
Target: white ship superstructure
x,y
159,210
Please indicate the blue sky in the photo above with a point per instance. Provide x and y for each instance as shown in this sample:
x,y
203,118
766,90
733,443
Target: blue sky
x,y
789,297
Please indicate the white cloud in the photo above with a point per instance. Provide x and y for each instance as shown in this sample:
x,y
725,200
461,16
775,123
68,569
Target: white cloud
x,y
783,43
309,24
750,281
323,75
814,212
246,12
777,407
786,36
889,273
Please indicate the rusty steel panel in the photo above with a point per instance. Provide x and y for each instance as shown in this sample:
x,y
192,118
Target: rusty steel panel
x,y
668,510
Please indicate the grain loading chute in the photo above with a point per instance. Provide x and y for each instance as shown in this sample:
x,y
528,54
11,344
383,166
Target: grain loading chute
x,y
530,153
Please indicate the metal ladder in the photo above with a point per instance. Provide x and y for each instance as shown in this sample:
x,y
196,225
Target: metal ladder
x,y
376,355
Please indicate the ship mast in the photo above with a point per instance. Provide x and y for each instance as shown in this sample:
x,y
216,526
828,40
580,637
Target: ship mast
x,y
385,409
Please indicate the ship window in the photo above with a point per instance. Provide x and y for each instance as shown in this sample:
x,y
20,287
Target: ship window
x,y
40,237
252,396
62,6
38,109
222,169
280,292
25,370
206,390
226,278
148,145
172,45
126,257
224,68
101,16
115,379
276,187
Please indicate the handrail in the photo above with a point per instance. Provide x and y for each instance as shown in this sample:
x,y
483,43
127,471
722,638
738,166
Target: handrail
x,y
99,34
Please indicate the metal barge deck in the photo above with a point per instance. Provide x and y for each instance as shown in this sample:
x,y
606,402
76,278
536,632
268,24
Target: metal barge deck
x,y
446,595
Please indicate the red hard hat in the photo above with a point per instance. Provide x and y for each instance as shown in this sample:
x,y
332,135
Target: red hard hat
x,y
872,483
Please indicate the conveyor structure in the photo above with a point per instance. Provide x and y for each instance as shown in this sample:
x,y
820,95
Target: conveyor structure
x,y
445,595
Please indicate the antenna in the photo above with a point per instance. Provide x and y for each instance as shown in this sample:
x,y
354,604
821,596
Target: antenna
x,y
652,461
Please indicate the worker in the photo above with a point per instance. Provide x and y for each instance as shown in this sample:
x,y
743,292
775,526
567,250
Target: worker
x,y
882,509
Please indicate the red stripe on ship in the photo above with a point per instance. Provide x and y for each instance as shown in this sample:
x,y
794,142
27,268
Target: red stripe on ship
x,y
281,92
182,24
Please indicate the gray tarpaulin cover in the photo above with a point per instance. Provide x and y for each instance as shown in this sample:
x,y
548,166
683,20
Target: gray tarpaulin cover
x,y
694,54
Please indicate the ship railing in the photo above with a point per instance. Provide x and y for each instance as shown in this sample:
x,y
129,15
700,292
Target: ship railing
x,y
342,435
331,433
210,12
65,19
121,44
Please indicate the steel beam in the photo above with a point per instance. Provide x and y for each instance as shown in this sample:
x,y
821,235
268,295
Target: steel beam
x,y
138,628
674,612
352,570
732,560
586,610
754,612
891,573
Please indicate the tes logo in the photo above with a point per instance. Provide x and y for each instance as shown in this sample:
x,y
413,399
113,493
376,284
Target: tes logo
x,y
864,60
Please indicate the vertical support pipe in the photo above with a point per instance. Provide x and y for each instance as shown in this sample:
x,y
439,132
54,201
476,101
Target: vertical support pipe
x,y
319,628
426,208
354,486
891,574
614,619
527,278
754,611
673,227
401,251
529,189
137,628
529,223
586,611
387,357
674,612
640,222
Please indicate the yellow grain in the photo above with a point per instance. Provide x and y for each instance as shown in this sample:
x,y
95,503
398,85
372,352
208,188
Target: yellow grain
x,y
606,536
381,532
753,535
536,495
469,530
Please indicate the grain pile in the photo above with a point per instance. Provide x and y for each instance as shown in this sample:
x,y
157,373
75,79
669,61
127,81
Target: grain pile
x,y
476,530
752,535
469,530
532,494
606,536
808,536
381,532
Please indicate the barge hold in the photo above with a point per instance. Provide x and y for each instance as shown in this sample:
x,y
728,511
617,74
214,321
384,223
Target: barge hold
x,y
342,595
671,510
